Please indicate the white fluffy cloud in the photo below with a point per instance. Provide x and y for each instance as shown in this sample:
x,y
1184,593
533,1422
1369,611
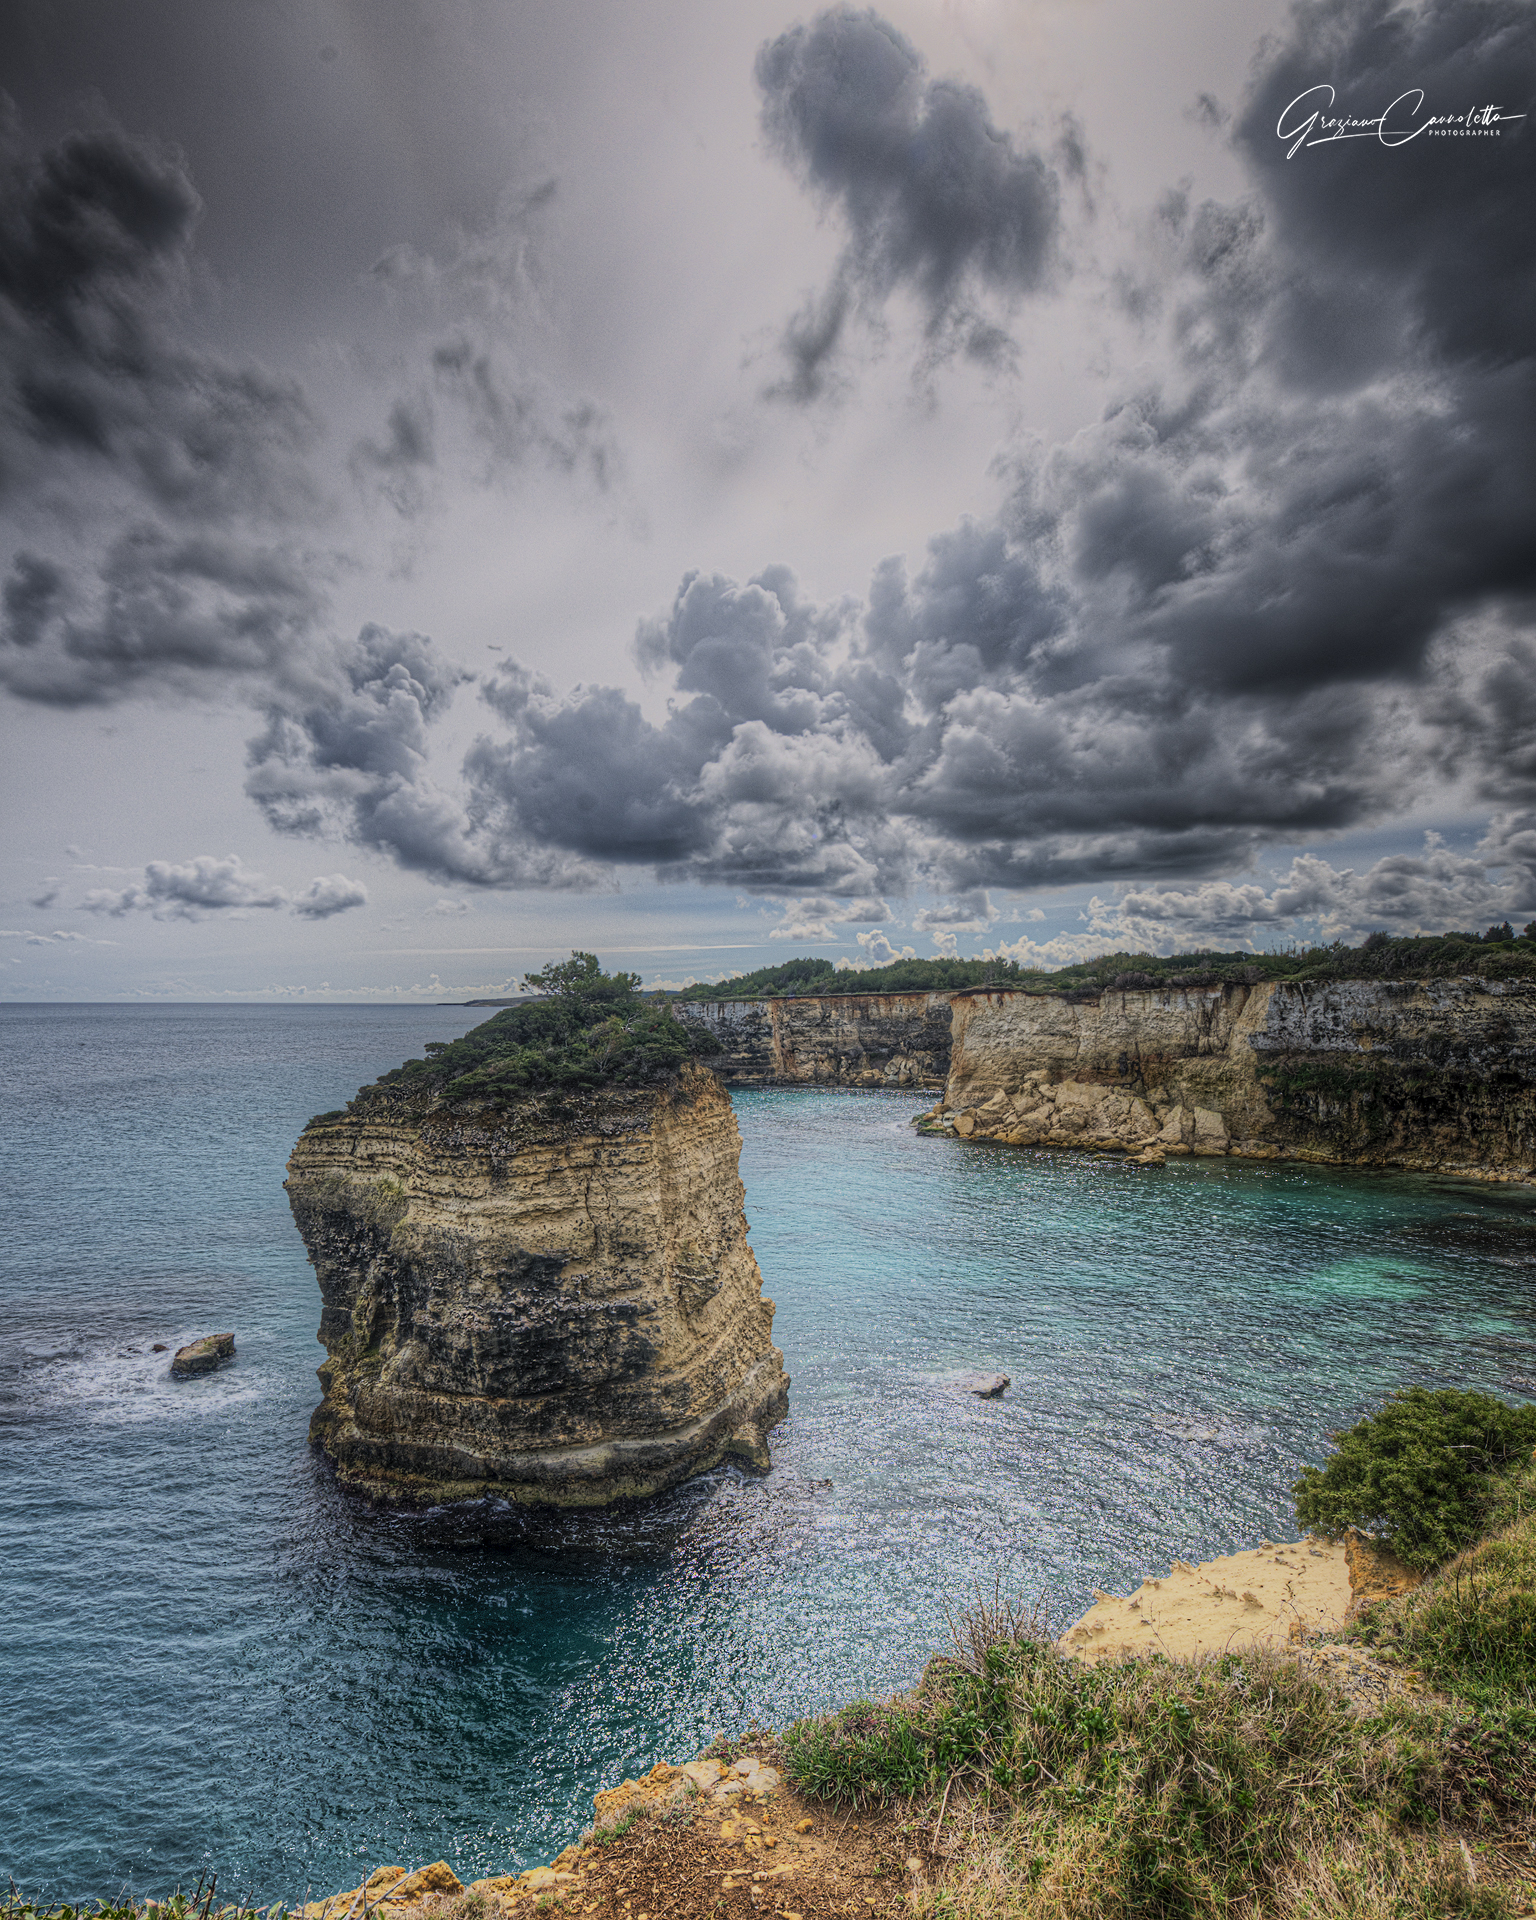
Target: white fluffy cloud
x,y
207,885
816,917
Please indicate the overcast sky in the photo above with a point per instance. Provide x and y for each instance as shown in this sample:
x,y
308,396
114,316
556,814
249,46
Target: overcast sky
x,y
707,483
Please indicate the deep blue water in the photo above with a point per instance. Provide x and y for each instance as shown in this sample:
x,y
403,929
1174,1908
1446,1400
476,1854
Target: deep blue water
x,y
213,1659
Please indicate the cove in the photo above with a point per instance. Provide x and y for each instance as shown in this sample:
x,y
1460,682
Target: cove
x,y
214,1658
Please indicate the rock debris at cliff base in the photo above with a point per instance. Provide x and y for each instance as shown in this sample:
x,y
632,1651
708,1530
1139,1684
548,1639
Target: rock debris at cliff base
x,y
705,1841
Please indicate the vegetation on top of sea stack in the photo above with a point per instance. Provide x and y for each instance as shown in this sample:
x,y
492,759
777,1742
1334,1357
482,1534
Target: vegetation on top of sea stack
x,y
587,1029
1498,954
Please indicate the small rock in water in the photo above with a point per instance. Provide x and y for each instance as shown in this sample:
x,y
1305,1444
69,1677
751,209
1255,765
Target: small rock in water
x,y
985,1386
159,1347
202,1356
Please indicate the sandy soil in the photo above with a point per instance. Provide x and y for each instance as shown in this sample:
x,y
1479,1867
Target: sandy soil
x,y
1265,1596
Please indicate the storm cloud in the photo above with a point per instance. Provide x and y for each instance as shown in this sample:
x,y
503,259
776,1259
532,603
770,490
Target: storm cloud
x,y
95,237
201,463
1281,586
935,198
1226,613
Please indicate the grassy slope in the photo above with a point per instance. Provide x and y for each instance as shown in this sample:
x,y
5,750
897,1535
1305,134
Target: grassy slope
x,y
1241,1785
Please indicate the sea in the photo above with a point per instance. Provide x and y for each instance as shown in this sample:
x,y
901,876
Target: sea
x,y
214,1660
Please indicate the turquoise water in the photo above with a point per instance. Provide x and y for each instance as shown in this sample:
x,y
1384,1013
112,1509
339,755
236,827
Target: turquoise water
x,y
213,1659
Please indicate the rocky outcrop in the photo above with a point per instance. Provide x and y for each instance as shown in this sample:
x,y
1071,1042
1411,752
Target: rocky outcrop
x,y
835,1039
1433,1075
1436,1075
552,1301
202,1356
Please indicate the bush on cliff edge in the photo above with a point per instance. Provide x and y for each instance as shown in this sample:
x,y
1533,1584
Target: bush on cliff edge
x,y
1424,1472
588,1029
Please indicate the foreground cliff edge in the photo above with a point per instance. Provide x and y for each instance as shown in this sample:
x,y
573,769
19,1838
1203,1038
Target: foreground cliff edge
x,y
534,1274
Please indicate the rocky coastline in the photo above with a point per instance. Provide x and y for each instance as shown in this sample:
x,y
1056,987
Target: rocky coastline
x,y
1431,1076
544,1300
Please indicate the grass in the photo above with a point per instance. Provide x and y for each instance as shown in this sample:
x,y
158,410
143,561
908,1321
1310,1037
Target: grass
x,y
1471,1630
604,1835
1238,1786
198,1905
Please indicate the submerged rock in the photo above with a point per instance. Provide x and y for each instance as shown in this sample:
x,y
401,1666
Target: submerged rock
x,y
202,1356
546,1299
985,1386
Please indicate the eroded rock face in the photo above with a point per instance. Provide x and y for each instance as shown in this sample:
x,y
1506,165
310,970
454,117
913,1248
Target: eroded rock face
x,y
1435,1075
553,1302
836,1039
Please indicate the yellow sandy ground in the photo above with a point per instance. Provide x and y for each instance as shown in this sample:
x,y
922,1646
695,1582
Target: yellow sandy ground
x,y
1265,1596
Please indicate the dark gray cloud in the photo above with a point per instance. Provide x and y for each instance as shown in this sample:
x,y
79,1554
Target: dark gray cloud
x,y
106,413
197,477
1224,614
163,610
353,763
935,198
1283,581
95,237
345,761
196,888
329,894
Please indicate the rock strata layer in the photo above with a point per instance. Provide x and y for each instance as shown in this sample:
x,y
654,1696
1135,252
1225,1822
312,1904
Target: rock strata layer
x,y
1435,1075
549,1302
835,1039
1432,1075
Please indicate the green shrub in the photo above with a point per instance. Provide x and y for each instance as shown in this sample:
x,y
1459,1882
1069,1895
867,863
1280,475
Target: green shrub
x,y
589,1029
1424,1472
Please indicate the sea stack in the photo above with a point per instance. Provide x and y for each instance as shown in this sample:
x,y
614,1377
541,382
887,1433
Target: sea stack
x,y
533,1263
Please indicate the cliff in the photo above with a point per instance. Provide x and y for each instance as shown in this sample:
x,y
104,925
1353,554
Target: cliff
x,y
840,1040
1434,1074
546,1298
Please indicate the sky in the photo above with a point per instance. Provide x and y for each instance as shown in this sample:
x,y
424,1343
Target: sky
x,y
707,484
